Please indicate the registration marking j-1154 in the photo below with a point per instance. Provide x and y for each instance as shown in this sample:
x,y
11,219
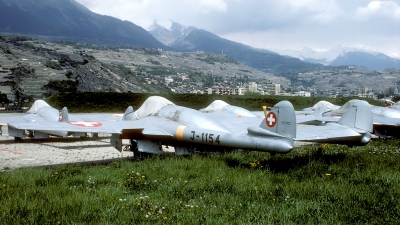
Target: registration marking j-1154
x,y
206,137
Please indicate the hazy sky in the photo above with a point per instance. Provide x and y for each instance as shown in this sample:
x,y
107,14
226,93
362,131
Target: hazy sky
x,y
271,24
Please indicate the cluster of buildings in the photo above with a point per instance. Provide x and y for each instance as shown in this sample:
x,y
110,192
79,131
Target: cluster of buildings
x,y
270,88
178,85
183,84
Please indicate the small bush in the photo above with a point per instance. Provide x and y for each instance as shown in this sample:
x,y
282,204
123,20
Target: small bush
x,y
53,65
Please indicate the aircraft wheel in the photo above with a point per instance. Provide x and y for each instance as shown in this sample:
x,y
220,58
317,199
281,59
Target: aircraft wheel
x,y
136,154
135,150
127,148
17,139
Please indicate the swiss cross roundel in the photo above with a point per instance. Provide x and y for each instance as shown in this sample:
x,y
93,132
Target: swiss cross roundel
x,y
271,119
85,123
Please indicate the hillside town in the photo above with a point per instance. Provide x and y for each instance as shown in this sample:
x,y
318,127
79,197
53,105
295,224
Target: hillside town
x,y
181,84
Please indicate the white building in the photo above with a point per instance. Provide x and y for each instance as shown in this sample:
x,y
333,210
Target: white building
x,y
168,80
303,93
273,89
252,87
223,91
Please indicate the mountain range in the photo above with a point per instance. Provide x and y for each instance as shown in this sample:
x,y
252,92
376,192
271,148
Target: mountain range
x,y
191,38
69,20
344,55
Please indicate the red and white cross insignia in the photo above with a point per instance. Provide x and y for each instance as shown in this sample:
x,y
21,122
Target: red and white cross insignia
x,y
271,119
85,124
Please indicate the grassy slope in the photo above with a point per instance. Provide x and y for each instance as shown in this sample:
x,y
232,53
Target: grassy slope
x,y
328,184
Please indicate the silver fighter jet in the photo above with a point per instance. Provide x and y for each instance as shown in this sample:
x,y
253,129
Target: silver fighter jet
x,y
354,128
386,121
41,112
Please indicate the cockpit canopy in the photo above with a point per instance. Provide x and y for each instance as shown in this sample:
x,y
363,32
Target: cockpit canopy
x,y
327,105
151,107
36,106
216,106
343,108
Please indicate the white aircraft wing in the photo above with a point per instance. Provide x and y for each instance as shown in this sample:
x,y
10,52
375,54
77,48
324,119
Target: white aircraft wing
x,y
145,126
95,116
331,132
312,119
6,118
301,117
381,120
261,113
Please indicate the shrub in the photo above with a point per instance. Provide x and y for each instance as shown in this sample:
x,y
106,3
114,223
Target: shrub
x,y
53,65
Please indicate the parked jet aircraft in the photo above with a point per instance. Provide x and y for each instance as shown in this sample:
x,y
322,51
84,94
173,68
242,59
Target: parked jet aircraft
x,y
354,128
41,112
386,121
160,122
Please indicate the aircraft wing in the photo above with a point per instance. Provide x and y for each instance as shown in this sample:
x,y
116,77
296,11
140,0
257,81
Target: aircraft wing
x,y
386,127
145,126
330,133
240,123
95,116
385,121
235,123
312,119
6,118
261,113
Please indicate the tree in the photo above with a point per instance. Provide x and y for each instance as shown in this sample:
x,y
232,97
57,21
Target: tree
x,y
60,86
69,74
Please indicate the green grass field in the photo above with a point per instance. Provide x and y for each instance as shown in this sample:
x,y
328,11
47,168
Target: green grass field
x,y
326,184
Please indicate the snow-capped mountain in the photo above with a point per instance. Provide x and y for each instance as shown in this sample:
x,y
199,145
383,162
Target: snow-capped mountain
x,y
344,55
323,56
191,39
168,32
377,61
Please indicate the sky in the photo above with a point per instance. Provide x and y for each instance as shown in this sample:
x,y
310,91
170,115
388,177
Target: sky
x,y
271,24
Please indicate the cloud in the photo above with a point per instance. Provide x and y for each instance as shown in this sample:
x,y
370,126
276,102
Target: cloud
x,y
378,9
207,6
313,23
315,11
